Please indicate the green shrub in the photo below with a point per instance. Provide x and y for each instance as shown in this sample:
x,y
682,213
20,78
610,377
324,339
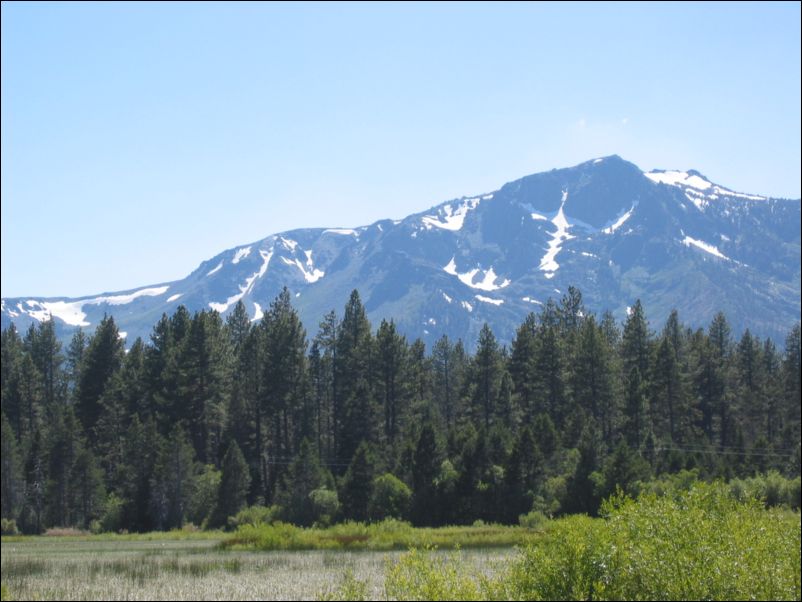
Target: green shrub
x,y
324,505
254,515
390,499
8,526
424,576
699,545
533,520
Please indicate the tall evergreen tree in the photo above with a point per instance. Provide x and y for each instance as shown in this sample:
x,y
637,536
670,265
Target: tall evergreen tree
x,y
103,357
234,484
357,487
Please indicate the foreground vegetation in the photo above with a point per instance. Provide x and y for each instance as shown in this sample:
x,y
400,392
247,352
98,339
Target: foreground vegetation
x,y
700,544
386,535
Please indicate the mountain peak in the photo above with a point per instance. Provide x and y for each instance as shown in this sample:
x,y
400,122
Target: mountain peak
x,y
672,238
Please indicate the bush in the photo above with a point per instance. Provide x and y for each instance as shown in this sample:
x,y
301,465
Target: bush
x,y
698,545
8,526
112,518
533,520
254,515
324,505
390,499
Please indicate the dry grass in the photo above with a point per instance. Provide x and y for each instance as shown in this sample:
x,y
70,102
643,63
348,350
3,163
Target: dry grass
x,y
92,569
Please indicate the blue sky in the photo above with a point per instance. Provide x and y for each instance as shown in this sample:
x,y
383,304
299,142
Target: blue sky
x,y
140,139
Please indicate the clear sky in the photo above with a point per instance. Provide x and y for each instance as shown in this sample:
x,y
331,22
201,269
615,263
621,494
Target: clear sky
x,y
140,139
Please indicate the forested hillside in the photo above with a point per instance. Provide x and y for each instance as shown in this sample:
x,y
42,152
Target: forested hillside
x,y
208,417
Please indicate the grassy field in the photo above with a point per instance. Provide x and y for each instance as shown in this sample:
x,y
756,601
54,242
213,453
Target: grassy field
x,y
137,568
385,535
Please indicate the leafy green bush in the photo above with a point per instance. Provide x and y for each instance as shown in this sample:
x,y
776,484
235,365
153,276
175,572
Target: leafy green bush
x,y
8,526
533,520
697,545
254,515
390,499
423,576
324,505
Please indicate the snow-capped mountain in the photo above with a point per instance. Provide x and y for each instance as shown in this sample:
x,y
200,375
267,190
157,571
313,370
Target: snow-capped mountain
x,y
671,238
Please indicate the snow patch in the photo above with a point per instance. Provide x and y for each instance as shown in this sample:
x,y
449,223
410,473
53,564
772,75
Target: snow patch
x,y
289,244
219,265
447,298
484,299
244,289
122,334
548,263
586,254
432,321
241,254
487,283
699,201
538,216
530,300
678,178
452,219
726,192
71,311
173,297
708,248
310,276
724,237
620,221
258,314
467,306
342,231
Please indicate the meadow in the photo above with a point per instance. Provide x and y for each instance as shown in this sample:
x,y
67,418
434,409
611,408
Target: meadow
x,y
94,568
698,544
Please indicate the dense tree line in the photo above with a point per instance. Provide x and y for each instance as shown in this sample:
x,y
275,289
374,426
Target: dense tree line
x,y
211,416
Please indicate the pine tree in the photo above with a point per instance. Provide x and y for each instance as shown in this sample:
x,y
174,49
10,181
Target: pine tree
x,y
284,371
390,365
87,478
303,476
791,386
234,484
203,384
64,446
173,481
635,427
522,475
103,357
592,377
352,373
12,485
357,486
522,367
444,386
425,468
45,351
486,372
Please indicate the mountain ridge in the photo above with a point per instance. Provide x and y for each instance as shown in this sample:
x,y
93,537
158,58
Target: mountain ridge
x,y
672,238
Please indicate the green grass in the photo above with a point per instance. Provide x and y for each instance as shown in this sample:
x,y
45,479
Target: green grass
x,y
386,535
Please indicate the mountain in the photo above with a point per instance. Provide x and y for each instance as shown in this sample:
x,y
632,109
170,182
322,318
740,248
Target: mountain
x,y
671,238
